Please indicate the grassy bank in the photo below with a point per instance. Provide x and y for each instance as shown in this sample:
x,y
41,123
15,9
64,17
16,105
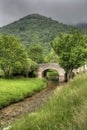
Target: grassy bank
x,y
14,90
52,75
66,110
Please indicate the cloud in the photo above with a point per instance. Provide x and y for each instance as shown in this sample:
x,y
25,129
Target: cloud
x,y
66,11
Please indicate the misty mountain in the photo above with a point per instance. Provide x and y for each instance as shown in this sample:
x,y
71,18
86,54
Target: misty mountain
x,y
82,27
36,29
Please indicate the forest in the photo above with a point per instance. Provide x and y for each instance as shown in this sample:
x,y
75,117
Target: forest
x,y
36,29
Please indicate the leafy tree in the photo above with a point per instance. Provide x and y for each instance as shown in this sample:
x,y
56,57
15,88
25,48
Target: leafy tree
x,y
71,50
25,69
29,67
35,52
52,57
12,54
33,68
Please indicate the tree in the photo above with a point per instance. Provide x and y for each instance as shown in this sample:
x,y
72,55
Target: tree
x,y
29,67
12,54
52,57
71,50
25,69
35,52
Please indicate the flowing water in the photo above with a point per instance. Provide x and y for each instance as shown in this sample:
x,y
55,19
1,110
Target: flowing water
x,y
28,105
52,83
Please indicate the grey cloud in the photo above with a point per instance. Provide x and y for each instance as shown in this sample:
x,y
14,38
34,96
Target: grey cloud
x,y
66,11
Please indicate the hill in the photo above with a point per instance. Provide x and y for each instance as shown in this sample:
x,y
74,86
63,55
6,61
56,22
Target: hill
x,y
36,28
82,27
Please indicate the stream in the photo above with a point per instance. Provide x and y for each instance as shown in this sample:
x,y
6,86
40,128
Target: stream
x,y
28,105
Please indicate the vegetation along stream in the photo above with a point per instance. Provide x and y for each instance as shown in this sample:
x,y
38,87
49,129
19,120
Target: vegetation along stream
x,y
28,105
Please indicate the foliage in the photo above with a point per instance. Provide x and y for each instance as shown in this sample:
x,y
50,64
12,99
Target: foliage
x,y
35,28
71,50
52,57
12,54
1,73
25,69
65,110
52,75
82,27
14,90
31,66
35,52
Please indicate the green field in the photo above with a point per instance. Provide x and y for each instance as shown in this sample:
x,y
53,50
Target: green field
x,y
66,110
14,90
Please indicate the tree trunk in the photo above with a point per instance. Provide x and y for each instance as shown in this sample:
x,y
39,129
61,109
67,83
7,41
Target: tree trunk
x,y
69,75
66,77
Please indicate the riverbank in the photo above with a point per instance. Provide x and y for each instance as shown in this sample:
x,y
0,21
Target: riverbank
x,y
31,104
15,90
65,110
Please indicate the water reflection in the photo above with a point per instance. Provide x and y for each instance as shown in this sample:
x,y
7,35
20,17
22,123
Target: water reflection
x,y
52,83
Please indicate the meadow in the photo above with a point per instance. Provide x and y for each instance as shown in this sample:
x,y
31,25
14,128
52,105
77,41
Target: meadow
x,y
65,110
14,90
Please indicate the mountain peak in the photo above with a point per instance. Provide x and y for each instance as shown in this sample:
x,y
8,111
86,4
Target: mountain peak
x,y
35,28
35,16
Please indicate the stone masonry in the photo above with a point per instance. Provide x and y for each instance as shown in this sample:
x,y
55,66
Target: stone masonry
x,y
43,67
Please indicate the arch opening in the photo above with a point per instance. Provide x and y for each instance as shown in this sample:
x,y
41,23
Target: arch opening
x,y
44,68
51,74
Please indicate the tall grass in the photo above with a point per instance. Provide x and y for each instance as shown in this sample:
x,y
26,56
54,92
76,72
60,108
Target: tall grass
x,y
66,110
14,90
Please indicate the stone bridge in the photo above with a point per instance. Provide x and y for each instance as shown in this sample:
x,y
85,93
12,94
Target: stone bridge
x,y
43,68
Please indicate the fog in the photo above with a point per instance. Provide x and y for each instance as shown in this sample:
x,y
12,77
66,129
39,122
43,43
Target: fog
x,y
65,11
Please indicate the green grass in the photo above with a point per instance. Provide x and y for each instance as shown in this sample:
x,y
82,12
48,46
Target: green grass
x,y
52,73
65,110
14,90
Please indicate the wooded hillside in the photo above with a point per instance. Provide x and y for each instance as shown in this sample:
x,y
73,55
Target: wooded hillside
x,y
36,28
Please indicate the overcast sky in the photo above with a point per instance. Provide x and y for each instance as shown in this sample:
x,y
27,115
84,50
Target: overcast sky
x,y
66,11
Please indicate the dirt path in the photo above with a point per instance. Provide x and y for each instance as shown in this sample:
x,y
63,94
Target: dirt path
x,y
28,105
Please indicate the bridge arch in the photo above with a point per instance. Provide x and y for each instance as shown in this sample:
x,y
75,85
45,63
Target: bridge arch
x,y
44,67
